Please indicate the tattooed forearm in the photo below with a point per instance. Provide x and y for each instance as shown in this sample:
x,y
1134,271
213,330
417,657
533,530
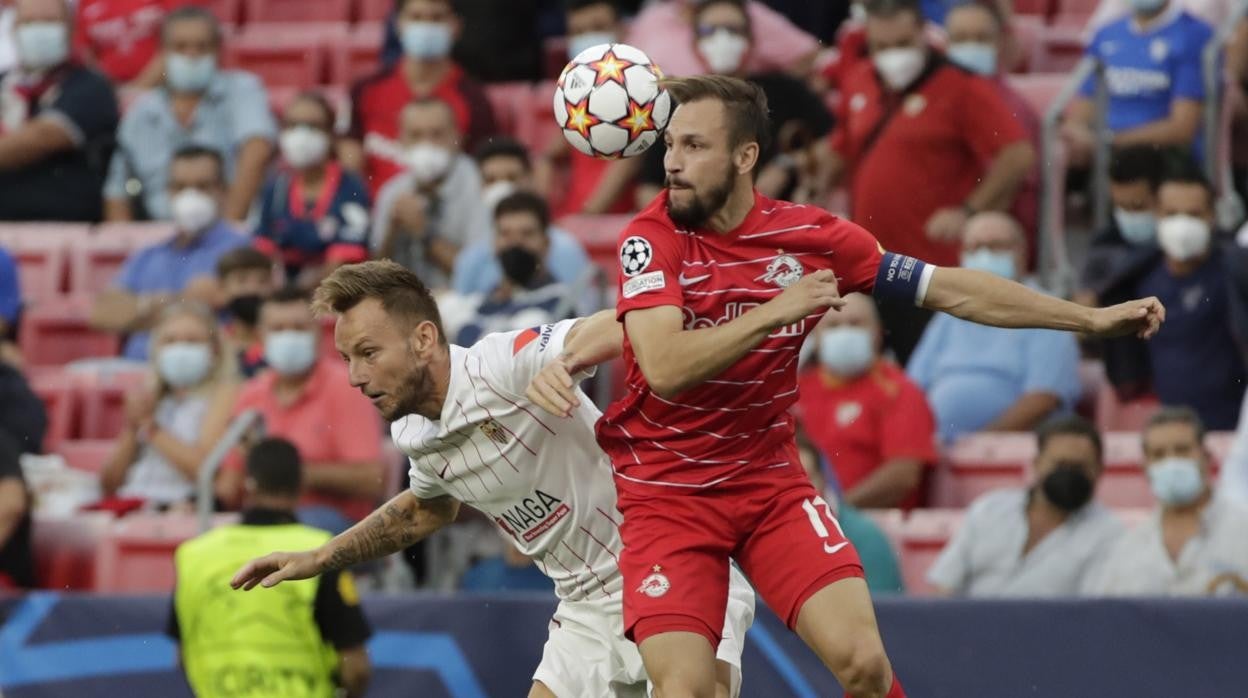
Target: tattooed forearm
x,y
399,523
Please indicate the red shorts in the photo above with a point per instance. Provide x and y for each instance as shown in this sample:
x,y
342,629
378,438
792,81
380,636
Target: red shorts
x,y
677,543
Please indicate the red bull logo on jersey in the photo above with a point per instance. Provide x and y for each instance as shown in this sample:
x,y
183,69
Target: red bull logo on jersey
x,y
784,271
734,310
493,431
533,516
656,584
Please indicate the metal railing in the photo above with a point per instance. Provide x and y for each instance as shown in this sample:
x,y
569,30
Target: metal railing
x,y
234,434
1218,167
1054,262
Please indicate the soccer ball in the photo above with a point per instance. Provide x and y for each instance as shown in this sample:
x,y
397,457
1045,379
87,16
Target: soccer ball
x,y
608,102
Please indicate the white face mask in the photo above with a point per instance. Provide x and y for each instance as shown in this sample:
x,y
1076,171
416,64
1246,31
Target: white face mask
x,y
994,262
978,58
428,162
1176,481
1183,237
496,192
846,351
723,51
1136,227
184,364
1146,6
290,352
193,210
303,146
899,66
189,75
578,43
41,45
426,40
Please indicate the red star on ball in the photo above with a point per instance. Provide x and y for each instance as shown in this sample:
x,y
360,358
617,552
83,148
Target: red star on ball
x,y
579,118
638,120
610,68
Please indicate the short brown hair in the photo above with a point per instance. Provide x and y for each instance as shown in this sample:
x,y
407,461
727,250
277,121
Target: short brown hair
x,y
1070,425
402,294
524,202
1175,414
744,103
243,259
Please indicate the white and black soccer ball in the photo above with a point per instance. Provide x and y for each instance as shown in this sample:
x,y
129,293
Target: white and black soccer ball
x,y
608,102
635,256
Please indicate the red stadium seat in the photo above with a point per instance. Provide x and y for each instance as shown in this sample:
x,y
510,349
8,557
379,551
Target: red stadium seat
x,y
40,267
1039,89
59,395
1059,49
542,128
512,103
66,549
88,455
554,56
295,11
136,235
1113,414
1074,13
103,399
279,59
357,57
56,332
373,10
230,12
981,463
137,554
94,265
925,534
599,235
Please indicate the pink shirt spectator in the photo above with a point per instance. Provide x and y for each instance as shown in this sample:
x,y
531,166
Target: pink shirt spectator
x,y
331,422
664,32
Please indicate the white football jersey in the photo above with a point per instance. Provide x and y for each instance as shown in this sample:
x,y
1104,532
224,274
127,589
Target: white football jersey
x,y
542,479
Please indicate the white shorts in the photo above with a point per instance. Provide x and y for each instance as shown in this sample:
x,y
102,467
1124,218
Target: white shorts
x,y
587,655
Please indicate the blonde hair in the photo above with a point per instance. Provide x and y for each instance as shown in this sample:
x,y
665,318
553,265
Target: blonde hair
x,y
402,294
225,369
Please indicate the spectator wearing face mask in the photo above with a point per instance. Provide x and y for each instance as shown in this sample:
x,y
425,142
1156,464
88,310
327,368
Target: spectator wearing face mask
x,y
1130,239
427,30
121,38
1038,541
869,420
181,267
901,119
313,213
171,425
1201,277
57,120
246,277
591,185
980,378
795,164
306,397
528,294
226,110
425,215
1154,78
1193,544
505,170
666,32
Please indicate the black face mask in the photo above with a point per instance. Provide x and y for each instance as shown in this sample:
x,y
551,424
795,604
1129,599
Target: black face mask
x,y
519,265
1067,487
245,309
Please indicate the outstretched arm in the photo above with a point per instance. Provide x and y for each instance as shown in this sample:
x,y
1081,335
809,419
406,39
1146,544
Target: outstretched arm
x,y
591,341
399,523
988,299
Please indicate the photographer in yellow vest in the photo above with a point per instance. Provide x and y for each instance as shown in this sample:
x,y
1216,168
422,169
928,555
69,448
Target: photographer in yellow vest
x,y
296,640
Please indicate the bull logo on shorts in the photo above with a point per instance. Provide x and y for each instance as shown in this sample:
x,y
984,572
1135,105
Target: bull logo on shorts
x,y
494,431
656,584
784,271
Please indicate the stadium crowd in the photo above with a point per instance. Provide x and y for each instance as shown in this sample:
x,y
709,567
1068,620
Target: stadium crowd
x,y
230,154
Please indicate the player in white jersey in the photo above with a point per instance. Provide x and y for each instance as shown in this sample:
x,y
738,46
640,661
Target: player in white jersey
x,y
471,436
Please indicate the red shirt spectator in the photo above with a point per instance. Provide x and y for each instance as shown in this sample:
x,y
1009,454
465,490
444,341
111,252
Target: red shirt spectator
x,y
851,51
122,36
584,175
932,129
330,422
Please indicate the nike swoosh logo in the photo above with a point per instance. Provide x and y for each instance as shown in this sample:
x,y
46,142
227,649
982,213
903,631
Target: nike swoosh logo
x,y
833,549
687,281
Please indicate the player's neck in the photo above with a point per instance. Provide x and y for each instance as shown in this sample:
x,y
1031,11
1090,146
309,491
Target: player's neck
x,y
730,216
440,370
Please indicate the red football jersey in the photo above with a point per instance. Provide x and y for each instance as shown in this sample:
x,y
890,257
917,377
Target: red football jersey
x,y
734,421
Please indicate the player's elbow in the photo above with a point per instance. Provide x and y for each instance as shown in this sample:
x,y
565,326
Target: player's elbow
x,y
665,383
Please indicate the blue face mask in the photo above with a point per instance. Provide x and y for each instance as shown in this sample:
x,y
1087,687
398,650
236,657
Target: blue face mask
x,y
1176,481
184,364
991,261
290,352
978,58
1137,227
846,351
579,42
186,74
1146,6
426,40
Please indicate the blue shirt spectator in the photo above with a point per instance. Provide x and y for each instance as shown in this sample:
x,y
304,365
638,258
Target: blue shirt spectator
x,y
57,120
511,571
314,214
10,296
978,377
1153,74
229,112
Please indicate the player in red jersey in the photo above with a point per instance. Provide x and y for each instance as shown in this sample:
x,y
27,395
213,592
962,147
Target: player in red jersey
x,y
719,288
